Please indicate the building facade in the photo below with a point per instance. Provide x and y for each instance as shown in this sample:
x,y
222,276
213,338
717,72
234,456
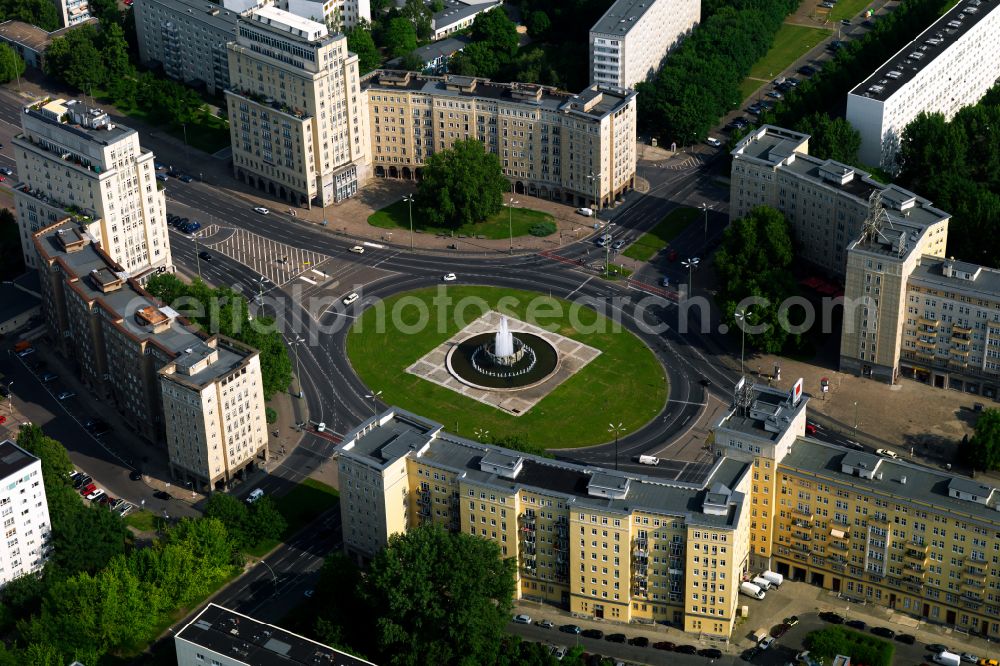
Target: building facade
x,y
187,38
30,41
826,203
949,65
336,15
579,149
628,44
200,396
72,160
297,117
73,12
218,636
24,512
458,15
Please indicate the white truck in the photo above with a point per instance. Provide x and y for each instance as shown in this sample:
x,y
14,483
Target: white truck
x,y
649,460
762,583
751,590
776,578
947,659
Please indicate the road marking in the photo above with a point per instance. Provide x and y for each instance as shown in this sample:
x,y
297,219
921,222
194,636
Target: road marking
x,y
582,285
374,245
305,279
318,272
687,402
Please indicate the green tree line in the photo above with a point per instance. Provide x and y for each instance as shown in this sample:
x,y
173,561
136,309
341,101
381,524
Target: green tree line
x,y
223,311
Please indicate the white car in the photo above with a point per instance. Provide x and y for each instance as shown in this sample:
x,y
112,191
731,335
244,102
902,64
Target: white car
x,y
586,212
766,643
65,394
522,619
261,210
546,624
357,249
712,141
969,658
95,495
351,298
449,277
886,453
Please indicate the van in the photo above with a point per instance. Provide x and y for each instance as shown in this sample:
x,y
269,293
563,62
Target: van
x,y
586,212
758,635
762,583
649,460
947,659
254,496
752,590
776,579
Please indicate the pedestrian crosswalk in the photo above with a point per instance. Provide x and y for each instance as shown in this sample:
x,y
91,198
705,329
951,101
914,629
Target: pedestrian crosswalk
x,y
278,262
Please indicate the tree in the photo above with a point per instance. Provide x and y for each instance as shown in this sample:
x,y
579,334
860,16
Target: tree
x,y
264,521
831,138
412,62
538,24
931,147
56,465
755,262
496,30
443,597
35,12
359,40
75,59
11,65
982,451
462,185
400,37
476,59
418,14
233,514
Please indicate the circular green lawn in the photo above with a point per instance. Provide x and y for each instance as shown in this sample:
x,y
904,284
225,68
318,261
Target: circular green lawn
x,y
625,383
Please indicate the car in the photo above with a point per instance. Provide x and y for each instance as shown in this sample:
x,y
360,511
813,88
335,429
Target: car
x,y
807,70
95,494
592,633
7,171
357,249
936,648
775,94
886,453
710,653
106,500
522,619
204,256
810,428
617,245
664,645
558,652
780,630
792,81
570,629
449,277
766,643
545,624
135,475
257,493
351,298
884,632
749,654
125,508
988,662
969,658
736,124
791,621
867,23
665,282
766,105
81,481
261,210
832,618
28,351
712,141
162,495
856,624
826,5
184,178
639,641
97,427
586,212
49,377
616,638
705,382
65,395
162,177
686,649
906,639
88,488
845,21
159,166
308,594
835,45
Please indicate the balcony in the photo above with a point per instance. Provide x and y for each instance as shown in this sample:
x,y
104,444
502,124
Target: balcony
x,y
960,330
269,102
840,534
929,323
805,524
972,585
802,538
807,515
926,344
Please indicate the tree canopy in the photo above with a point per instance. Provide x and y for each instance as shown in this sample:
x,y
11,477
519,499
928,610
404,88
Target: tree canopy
x,y
400,37
36,12
359,40
982,451
11,65
831,138
754,262
462,185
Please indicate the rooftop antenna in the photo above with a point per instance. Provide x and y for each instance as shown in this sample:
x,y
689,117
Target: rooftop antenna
x,y
876,218
743,396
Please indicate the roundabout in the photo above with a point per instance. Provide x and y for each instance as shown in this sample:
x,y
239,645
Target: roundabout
x,y
507,363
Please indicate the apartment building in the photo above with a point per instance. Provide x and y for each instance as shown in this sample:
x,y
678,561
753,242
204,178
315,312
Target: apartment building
x,y
24,512
337,15
73,160
73,12
578,149
949,65
297,116
199,396
30,42
628,44
458,15
826,203
187,39
218,636
603,544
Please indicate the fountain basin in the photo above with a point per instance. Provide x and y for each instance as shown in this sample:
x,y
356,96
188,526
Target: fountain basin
x,y
473,362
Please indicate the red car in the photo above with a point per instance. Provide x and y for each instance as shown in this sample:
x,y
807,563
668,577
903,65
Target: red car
x,y
89,488
3,178
810,429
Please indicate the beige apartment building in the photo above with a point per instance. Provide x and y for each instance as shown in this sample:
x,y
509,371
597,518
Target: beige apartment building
x,y
199,395
578,149
630,547
73,160
297,116
24,512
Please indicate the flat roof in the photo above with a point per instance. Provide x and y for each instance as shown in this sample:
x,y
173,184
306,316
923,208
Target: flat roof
x,y
900,479
15,300
397,433
126,301
242,638
768,413
907,63
106,135
438,49
456,10
594,102
13,458
290,23
208,13
929,272
622,16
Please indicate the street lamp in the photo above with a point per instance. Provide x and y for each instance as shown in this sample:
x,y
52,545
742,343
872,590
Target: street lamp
x,y
855,420
617,430
595,179
373,396
705,208
197,253
298,377
690,264
510,221
409,200
10,398
481,434
740,316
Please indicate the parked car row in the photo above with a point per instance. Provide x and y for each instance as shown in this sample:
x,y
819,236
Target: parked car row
x,y
636,641
183,223
884,632
89,491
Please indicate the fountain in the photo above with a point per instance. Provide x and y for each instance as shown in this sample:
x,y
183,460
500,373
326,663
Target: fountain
x,y
503,360
506,352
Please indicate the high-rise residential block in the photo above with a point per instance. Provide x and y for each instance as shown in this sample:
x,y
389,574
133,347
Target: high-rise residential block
x,y
628,44
337,15
24,513
73,12
949,65
298,119
72,160
578,149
